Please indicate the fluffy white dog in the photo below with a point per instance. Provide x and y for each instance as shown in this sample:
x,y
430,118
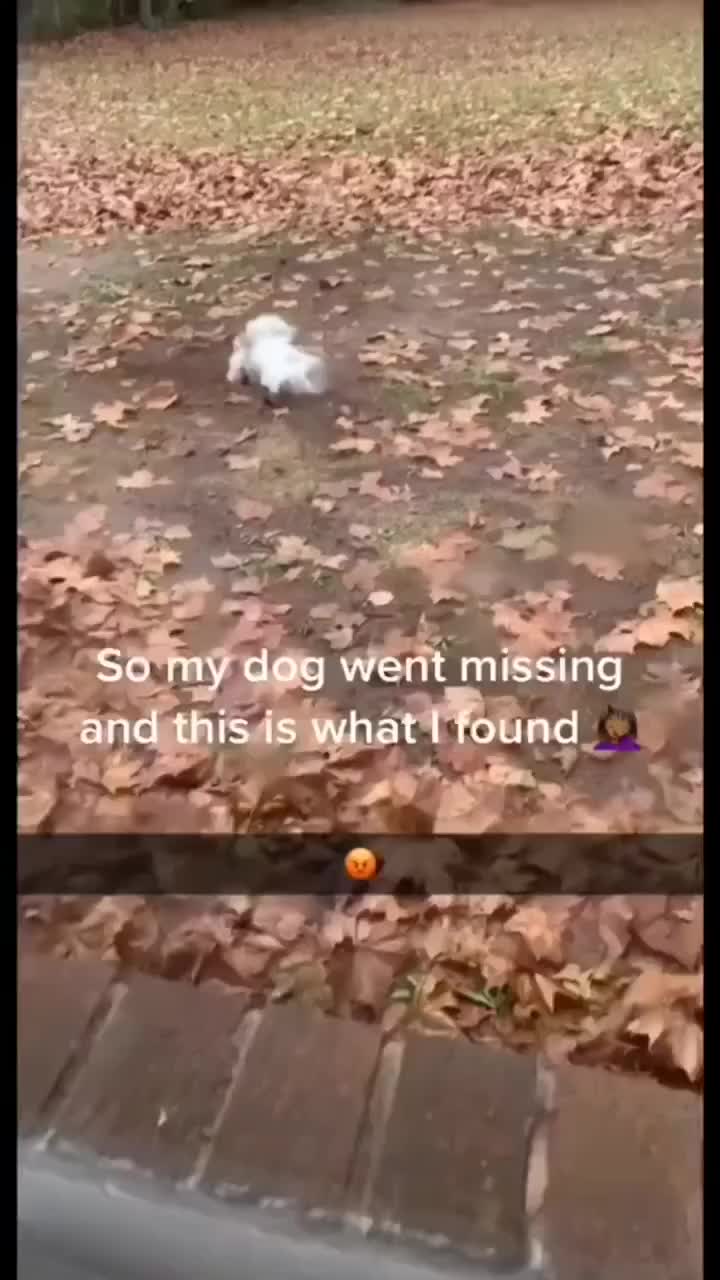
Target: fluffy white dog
x,y
266,355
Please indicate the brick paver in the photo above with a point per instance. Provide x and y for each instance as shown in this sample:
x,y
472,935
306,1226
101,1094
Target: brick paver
x,y
56,1003
455,1151
154,1082
293,1124
624,1197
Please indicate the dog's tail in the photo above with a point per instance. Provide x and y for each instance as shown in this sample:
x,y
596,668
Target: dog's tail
x,y
312,379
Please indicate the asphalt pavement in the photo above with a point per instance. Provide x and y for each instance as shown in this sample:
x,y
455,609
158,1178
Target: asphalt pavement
x,y
83,1222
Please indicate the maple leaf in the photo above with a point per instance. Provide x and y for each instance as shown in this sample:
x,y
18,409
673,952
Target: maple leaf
x,y
237,462
658,629
72,429
472,806
656,988
680,594
35,808
662,485
534,413
358,444
641,411
162,402
691,453
141,479
114,414
538,929
596,407
249,509
535,541
609,568
226,561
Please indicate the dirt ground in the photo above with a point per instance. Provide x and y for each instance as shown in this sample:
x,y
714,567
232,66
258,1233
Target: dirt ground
x,y
509,457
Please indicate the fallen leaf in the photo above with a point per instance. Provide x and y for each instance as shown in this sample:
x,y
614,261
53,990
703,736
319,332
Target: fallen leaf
x,y
226,561
249,509
607,567
534,413
358,444
536,541
142,479
162,402
680,593
114,414
237,462
691,453
72,429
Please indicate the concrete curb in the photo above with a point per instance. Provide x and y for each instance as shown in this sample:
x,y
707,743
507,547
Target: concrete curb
x,y
459,1153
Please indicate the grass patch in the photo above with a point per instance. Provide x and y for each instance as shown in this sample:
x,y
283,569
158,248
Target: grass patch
x,y
501,387
401,398
102,290
441,513
592,351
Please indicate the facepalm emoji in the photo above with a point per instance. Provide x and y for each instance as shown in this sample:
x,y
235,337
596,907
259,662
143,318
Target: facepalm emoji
x,y
361,864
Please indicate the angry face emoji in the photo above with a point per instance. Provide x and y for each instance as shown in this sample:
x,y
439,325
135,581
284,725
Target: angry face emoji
x,y
361,864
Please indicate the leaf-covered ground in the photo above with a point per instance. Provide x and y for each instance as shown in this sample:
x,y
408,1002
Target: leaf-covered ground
x,y
600,979
510,458
563,114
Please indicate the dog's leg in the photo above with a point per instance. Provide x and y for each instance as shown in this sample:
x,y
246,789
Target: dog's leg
x,y
271,392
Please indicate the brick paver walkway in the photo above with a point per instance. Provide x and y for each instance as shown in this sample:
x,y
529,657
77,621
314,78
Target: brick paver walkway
x,y
433,1139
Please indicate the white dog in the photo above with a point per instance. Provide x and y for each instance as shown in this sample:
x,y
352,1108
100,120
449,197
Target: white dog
x,y
265,354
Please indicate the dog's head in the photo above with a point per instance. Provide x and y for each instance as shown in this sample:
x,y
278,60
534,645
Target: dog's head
x,y
268,326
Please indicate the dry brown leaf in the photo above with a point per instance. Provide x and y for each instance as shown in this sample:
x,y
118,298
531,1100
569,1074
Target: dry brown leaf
x,y
470,808
35,808
226,561
238,462
680,593
658,989
142,479
534,413
663,486
114,414
533,540
249,509
358,444
162,402
691,453
72,429
687,1046
607,567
